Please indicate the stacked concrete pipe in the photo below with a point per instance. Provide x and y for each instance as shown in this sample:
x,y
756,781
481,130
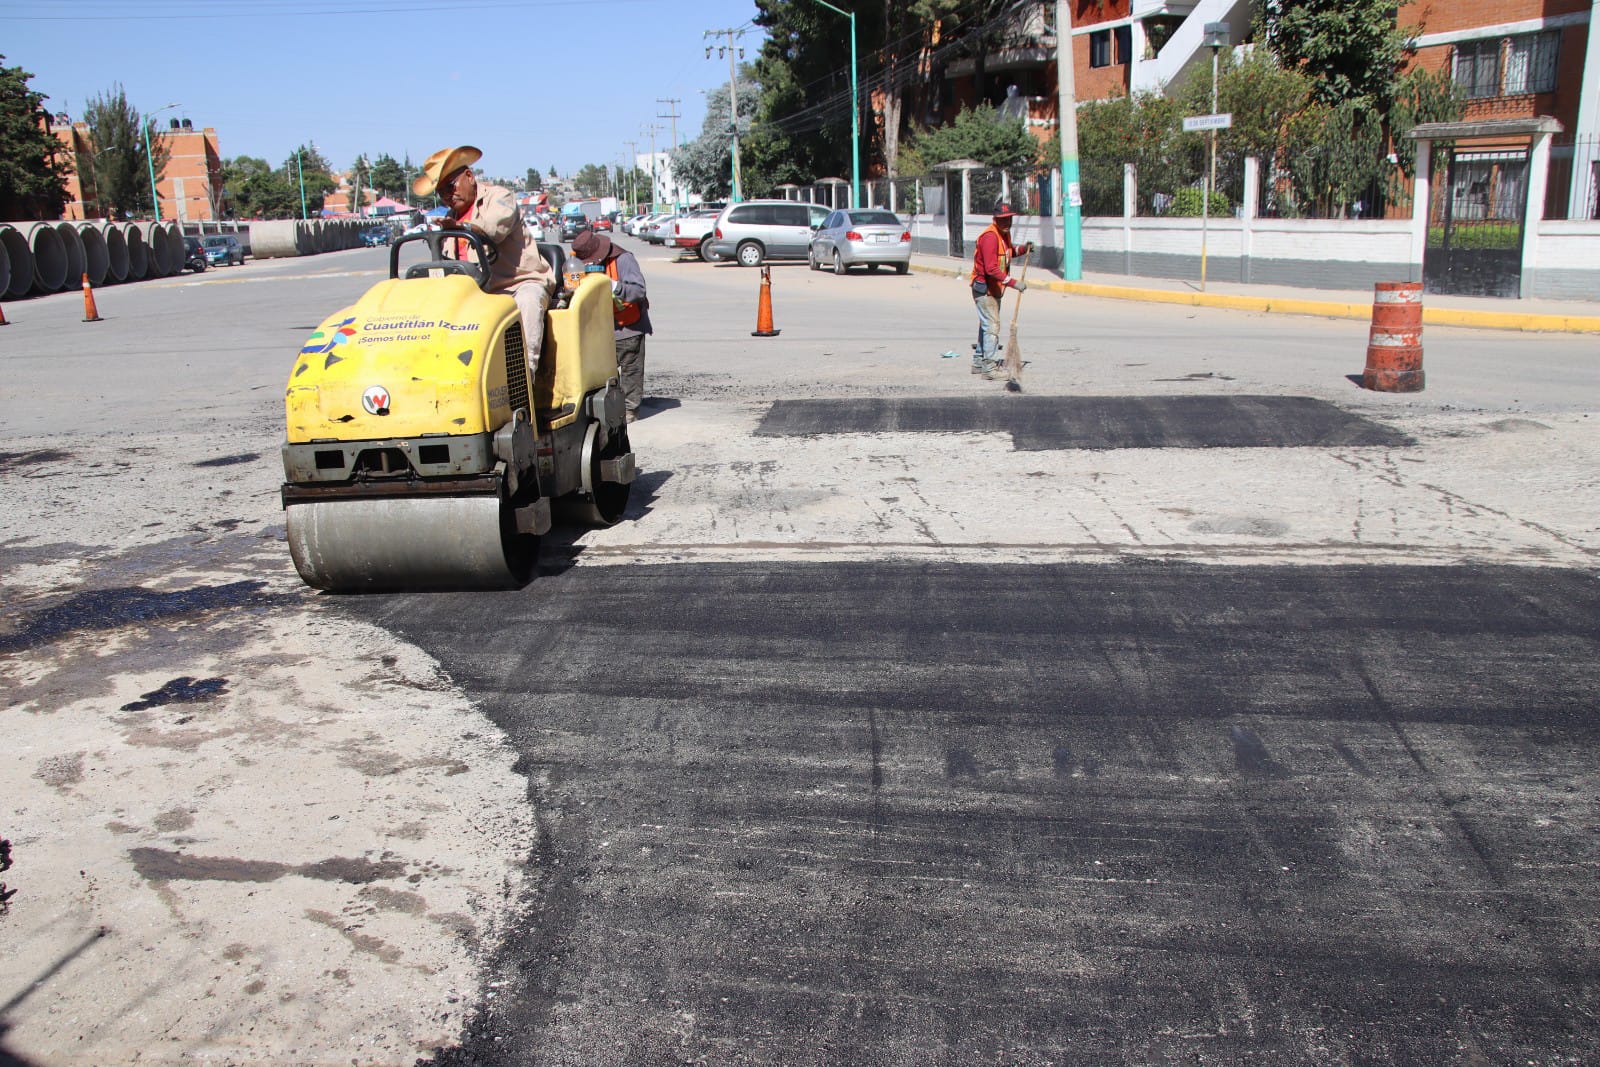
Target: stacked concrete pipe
x,y
272,240
116,251
77,266
96,258
155,238
19,258
180,254
138,252
49,257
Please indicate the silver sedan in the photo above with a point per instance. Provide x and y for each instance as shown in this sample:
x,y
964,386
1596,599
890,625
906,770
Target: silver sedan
x,y
869,236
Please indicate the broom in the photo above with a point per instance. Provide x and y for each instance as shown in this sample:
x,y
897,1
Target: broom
x,y
1013,348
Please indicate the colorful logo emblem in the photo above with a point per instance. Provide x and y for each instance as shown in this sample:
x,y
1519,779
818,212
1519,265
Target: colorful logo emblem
x,y
327,340
376,400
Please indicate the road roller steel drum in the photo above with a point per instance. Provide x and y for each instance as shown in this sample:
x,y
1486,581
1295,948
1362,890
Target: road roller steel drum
x,y
422,450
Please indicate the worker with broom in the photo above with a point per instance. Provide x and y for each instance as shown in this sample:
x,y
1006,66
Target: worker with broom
x,y
991,262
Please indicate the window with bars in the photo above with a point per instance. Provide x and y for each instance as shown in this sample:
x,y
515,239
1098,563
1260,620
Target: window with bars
x,y
1531,63
1477,68
1507,66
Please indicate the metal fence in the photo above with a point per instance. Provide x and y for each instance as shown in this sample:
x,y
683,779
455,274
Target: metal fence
x,y
1574,189
1284,195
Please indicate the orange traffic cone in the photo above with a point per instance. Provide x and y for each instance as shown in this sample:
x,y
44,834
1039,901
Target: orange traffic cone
x,y
90,314
764,308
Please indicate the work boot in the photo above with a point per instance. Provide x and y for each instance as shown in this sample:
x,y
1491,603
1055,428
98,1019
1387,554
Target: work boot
x,y
983,366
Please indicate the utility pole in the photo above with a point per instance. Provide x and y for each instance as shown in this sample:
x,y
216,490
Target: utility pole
x,y
651,130
733,53
677,197
1067,119
633,166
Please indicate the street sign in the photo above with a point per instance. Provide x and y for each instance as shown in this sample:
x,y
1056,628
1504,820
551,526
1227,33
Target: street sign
x,y
1207,122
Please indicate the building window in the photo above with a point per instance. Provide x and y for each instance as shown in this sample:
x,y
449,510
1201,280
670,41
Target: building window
x,y
1531,63
1477,68
1100,48
1124,37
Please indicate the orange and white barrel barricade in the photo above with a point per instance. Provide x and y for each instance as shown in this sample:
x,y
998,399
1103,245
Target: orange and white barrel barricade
x,y
1394,347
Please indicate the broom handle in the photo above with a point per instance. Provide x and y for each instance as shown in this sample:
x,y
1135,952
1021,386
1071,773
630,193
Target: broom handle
x,y
1016,308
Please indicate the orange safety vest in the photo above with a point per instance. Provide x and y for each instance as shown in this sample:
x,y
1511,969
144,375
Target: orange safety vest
x,y
1004,250
625,312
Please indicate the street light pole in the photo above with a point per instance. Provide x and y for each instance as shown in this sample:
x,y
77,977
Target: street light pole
x,y
1070,194
155,197
855,111
300,168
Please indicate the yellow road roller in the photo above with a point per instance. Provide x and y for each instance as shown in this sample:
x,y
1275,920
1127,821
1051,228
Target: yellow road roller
x,y
424,447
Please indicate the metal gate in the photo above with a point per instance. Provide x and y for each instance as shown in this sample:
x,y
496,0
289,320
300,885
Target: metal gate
x,y
1476,222
955,213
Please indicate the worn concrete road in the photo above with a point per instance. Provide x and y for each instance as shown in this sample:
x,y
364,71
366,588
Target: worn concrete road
x,y
1193,705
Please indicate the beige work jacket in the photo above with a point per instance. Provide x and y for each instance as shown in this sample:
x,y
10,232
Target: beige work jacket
x,y
496,217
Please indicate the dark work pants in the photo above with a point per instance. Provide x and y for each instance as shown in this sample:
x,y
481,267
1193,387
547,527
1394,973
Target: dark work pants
x,y
630,368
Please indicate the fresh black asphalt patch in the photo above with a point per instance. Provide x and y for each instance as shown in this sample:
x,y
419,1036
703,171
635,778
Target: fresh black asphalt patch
x,y
1040,423
929,813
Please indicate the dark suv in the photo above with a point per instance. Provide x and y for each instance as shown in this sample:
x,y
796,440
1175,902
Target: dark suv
x,y
194,254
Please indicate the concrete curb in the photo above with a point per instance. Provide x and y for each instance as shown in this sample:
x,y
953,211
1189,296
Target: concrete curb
x,y
1431,316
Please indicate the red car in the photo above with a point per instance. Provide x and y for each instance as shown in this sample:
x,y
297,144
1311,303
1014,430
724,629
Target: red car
x,y
601,223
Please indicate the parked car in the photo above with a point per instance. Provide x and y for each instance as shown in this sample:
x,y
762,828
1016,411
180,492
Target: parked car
x,y
194,254
655,228
601,224
373,236
870,236
759,230
693,232
224,248
631,224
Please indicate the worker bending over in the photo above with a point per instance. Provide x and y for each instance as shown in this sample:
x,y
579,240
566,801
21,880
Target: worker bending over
x,y
630,310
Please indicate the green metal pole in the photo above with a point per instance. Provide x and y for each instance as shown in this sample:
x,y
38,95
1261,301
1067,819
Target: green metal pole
x,y
1069,197
300,166
155,198
855,109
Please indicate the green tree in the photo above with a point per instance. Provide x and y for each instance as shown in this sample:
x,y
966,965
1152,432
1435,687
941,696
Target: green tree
x,y
1352,49
309,165
705,164
1421,96
592,180
981,135
388,177
33,170
1145,130
534,182
121,168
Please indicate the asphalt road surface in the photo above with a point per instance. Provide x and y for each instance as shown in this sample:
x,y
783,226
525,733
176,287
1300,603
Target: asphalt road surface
x,y
1194,705
1144,813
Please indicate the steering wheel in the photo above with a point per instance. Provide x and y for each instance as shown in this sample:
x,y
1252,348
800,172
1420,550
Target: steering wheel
x,y
434,239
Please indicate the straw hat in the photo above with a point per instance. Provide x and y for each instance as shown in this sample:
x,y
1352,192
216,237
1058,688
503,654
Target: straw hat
x,y
443,163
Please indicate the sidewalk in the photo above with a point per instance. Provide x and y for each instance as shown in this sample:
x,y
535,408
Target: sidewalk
x,y
1553,316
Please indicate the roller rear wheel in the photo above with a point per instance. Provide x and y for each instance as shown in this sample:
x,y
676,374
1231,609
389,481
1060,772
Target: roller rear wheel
x,y
602,503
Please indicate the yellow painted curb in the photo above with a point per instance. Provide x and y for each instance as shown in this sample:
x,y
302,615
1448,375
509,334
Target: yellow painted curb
x,y
1333,309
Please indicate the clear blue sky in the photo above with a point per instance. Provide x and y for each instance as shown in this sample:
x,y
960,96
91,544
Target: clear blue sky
x,y
534,83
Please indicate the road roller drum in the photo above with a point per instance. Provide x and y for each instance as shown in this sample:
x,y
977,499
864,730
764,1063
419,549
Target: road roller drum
x,y
424,446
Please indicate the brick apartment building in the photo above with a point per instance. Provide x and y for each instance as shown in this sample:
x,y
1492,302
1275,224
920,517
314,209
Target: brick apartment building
x,y
189,187
1514,59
